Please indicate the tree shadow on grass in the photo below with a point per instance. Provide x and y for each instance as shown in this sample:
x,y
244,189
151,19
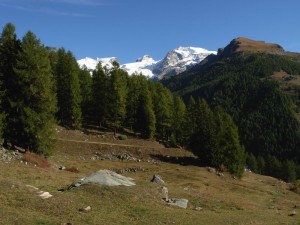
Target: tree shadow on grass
x,y
184,161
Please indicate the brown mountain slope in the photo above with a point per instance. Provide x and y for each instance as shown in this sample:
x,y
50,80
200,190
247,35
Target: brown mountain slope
x,y
242,44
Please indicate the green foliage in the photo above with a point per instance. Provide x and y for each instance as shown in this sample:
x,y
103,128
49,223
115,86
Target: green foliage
x,y
10,47
34,105
85,81
178,121
289,170
99,94
163,104
240,84
252,163
215,139
68,90
117,96
229,151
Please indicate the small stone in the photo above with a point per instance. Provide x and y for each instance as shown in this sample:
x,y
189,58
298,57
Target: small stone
x,y
182,203
157,179
297,206
45,195
86,209
61,167
293,213
211,170
165,193
198,208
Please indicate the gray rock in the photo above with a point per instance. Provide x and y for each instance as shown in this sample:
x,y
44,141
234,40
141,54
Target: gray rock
x,y
104,177
165,193
211,170
157,179
182,203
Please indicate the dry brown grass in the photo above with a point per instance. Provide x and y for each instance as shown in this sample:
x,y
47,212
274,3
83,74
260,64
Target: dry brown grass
x,y
248,45
36,159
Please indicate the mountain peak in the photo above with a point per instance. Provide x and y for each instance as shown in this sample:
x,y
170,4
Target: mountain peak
x,y
242,44
145,58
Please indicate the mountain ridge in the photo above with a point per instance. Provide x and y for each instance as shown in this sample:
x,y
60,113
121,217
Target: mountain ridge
x,y
176,61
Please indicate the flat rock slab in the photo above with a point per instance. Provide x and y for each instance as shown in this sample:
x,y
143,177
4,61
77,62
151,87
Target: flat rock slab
x,y
179,202
104,177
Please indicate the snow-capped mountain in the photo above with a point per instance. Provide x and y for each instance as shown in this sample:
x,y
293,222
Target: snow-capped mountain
x,y
175,62
91,64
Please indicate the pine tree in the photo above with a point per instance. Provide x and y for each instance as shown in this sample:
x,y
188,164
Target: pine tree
x,y
117,96
10,47
204,140
68,90
178,121
35,105
163,103
145,115
229,151
100,94
136,84
85,81
251,162
190,121
261,164
289,170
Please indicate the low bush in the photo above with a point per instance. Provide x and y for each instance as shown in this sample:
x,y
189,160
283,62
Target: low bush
x,y
36,160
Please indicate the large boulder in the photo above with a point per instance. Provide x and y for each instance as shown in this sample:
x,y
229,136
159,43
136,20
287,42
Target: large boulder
x,y
104,177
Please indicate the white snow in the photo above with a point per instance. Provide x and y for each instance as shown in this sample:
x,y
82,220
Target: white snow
x,y
179,59
91,64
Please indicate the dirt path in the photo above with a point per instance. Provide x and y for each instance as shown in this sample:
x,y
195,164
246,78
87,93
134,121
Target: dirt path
x,y
106,143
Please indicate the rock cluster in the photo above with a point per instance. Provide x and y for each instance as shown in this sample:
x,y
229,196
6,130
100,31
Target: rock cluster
x,y
9,155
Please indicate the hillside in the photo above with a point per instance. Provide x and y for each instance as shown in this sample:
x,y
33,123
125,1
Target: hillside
x,y
213,199
257,83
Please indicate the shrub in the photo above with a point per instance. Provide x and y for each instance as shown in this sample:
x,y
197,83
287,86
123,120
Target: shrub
x,y
36,159
72,169
122,137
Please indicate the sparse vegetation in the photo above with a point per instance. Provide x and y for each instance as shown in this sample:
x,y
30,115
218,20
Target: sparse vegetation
x,y
36,160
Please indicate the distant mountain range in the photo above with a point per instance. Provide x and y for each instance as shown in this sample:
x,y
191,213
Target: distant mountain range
x,y
175,62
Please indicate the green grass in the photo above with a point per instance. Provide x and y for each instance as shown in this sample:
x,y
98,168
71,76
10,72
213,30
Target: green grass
x,y
253,200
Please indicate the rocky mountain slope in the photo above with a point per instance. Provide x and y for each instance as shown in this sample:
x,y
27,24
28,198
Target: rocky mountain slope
x,y
175,62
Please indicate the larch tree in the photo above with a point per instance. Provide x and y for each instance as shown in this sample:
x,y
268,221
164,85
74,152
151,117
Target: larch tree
x,y
68,90
35,105
10,47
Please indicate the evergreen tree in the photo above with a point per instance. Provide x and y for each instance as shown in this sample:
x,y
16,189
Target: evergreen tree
x,y
204,140
273,167
163,103
117,96
85,81
261,164
190,121
35,106
136,85
68,90
252,163
289,170
100,94
178,121
10,47
229,151
145,115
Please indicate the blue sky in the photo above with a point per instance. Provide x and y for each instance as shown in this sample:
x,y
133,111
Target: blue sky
x,y
128,29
